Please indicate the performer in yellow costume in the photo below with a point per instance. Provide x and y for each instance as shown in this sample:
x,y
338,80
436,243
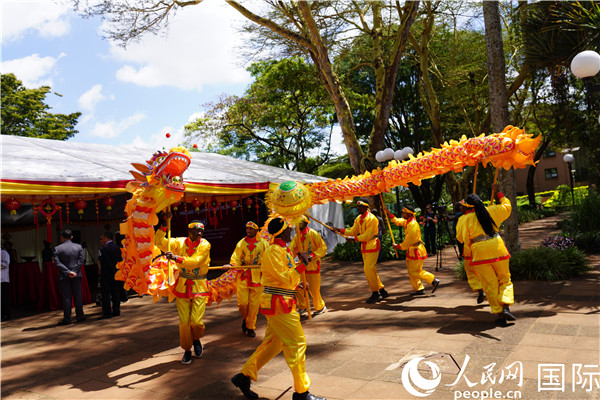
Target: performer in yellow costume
x,y
192,258
366,231
472,277
310,248
415,251
249,251
284,331
490,257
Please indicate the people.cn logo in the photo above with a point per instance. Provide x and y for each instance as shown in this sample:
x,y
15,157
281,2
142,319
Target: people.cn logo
x,y
414,383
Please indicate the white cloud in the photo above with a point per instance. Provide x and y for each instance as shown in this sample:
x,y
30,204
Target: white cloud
x,y
46,17
198,49
111,129
89,99
33,70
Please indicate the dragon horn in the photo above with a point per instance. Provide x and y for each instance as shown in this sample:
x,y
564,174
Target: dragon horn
x,y
138,176
144,169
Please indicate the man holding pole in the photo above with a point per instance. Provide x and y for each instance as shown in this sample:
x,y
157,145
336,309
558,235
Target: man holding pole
x,y
366,231
248,251
280,277
415,251
192,258
310,248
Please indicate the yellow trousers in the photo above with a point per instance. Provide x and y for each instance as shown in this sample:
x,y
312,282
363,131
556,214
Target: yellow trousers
x,y
472,276
495,279
416,273
314,288
248,300
284,332
191,326
370,269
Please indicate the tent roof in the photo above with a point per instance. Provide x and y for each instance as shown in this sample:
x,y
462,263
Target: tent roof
x,y
32,166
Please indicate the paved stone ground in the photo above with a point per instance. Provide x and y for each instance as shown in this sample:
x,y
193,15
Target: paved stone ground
x,y
355,350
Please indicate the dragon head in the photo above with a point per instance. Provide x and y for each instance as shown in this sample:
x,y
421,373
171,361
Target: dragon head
x,y
164,169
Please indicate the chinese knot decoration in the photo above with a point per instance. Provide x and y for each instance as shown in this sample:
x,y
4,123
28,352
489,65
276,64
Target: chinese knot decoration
x,y
48,208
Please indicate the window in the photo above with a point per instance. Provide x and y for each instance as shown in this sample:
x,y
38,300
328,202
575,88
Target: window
x,y
549,153
551,173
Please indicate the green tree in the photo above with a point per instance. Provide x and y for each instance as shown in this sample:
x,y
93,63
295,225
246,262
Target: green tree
x,y
282,120
25,113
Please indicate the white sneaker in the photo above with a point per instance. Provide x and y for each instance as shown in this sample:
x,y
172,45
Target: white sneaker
x,y
321,311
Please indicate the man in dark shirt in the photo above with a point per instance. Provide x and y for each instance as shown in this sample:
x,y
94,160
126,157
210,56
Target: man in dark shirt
x,y
110,255
69,258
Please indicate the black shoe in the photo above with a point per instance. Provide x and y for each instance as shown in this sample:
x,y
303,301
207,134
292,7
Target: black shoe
x,y
244,329
82,319
501,321
306,396
250,333
242,382
375,297
508,315
116,313
187,357
321,311
480,297
106,316
64,322
198,348
418,293
384,294
435,284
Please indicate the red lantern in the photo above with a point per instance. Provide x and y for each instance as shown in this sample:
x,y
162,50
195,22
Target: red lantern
x,y
108,202
248,202
80,205
233,204
196,203
12,205
174,206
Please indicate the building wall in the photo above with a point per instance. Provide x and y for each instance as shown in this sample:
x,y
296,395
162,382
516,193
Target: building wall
x,y
551,172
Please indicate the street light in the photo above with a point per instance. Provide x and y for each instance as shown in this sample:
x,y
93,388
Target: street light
x,y
399,155
569,159
586,65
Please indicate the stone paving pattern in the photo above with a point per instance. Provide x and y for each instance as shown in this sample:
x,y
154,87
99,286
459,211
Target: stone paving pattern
x,y
355,350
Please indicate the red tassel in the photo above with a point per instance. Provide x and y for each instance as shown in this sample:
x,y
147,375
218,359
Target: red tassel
x,y
60,217
49,230
97,215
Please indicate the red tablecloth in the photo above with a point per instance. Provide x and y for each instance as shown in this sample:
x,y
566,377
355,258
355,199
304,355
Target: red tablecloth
x,y
50,297
24,282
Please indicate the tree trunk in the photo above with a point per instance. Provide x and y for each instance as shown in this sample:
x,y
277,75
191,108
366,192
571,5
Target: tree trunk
x,y
532,169
499,112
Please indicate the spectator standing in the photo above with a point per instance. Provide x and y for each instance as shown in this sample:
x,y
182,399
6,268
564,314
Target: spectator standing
x,y
109,256
5,278
69,258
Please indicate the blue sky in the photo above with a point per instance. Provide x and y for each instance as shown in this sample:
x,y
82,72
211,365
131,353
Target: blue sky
x,y
127,96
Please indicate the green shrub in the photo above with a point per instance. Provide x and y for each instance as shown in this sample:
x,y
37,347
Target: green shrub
x,y
528,213
547,264
350,251
459,271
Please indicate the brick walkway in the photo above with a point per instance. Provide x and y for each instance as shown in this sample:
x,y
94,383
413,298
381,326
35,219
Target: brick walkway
x,y
355,350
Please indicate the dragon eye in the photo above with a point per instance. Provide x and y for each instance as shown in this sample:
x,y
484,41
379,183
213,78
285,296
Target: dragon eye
x,y
176,179
159,160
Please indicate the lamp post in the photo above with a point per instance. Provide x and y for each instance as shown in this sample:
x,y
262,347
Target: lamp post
x,y
398,155
569,159
586,65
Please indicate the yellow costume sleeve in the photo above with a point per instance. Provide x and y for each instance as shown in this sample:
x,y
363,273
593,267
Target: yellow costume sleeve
x,y
500,212
319,248
354,230
237,257
162,242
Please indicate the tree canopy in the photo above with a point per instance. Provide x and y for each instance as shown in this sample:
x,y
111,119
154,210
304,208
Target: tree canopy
x,y
25,112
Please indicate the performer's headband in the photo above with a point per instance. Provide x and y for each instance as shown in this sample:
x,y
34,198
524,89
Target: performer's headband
x,y
305,219
196,225
283,228
464,203
362,203
251,224
406,210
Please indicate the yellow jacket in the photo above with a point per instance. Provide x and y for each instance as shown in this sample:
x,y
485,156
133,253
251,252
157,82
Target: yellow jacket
x,y
415,250
366,230
192,262
279,278
309,241
249,251
484,249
